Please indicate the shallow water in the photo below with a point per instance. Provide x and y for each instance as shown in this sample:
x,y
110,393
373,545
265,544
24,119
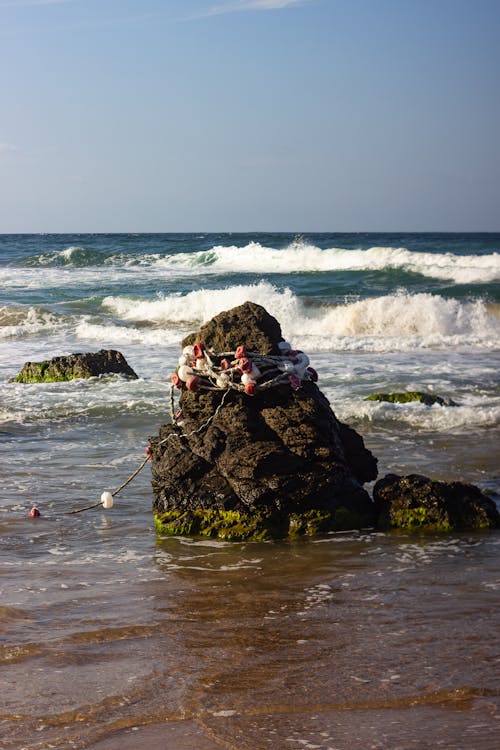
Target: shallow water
x,y
113,638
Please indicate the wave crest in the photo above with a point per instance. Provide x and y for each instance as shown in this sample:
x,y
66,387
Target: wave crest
x,y
298,257
73,257
392,322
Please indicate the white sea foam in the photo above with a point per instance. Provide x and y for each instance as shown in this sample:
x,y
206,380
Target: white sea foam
x,y
393,322
118,335
301,257
445,419
26,321
202,304
76,266
97,398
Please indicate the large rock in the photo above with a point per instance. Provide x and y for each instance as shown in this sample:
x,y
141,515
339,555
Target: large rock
x,y
416,502
273,464
80,365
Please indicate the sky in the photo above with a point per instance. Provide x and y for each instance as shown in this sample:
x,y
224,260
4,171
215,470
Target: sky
x,y
249,115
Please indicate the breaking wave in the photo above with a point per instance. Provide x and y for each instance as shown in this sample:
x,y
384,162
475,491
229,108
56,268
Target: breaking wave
x,y
399,321
419,416
298,257
301,257
74,257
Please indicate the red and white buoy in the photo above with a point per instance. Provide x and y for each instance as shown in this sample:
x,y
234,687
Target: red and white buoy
x,y
34,512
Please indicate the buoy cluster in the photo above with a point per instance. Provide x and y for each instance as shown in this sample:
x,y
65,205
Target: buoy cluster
x,y
241,370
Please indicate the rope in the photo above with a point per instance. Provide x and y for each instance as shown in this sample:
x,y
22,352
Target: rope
x,y
80,510
132,476
148,458
202,427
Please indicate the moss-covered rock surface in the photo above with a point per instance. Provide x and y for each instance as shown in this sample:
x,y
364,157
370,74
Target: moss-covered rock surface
x,y
233,525
73,366
417,503
408,396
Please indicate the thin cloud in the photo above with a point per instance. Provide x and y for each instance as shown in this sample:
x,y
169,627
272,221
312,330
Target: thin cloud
x,y
246,5
7,148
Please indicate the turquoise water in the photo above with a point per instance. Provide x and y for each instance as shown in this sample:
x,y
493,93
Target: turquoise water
x,y
111,636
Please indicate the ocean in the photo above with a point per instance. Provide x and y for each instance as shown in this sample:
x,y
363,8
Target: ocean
x,y
114,638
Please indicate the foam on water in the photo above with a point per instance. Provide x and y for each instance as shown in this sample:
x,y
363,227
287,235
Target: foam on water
x,y
302,257
119,335
298,257
436,418
100,398
201,305
27,321
398,321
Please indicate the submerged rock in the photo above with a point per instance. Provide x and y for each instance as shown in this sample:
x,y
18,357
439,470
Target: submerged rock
x,y
274,464
416,502
403,398
80,365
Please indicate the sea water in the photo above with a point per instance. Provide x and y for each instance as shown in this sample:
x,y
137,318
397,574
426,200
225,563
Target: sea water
x,y
114,638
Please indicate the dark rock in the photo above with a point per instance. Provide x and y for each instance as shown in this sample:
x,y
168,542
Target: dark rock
x,y
273,464
249,324
416,502
403,398
81,365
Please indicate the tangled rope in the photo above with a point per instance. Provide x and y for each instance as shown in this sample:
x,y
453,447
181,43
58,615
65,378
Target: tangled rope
x,y
244,371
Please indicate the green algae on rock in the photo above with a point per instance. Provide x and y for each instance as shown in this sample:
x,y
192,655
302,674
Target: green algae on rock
x,y
404,398
231,525
80,365
417,503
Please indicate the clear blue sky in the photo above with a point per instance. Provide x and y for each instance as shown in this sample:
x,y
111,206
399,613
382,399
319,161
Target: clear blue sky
x,y
236,115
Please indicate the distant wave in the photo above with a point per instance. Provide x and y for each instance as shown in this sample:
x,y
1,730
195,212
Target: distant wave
x,y
393,322
75,257
299,257
435,418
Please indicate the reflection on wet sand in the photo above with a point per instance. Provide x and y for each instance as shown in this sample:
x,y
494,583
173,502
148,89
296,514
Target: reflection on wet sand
x,y
352,639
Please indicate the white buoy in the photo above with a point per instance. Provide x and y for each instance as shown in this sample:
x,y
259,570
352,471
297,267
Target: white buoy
x,y
222,380
247,378
184,372
107,500
301,365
